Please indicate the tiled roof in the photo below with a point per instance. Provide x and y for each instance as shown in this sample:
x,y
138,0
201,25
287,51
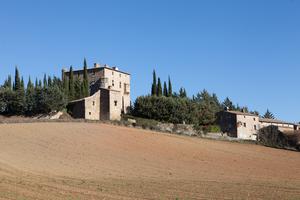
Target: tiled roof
x,y
275,121
241,113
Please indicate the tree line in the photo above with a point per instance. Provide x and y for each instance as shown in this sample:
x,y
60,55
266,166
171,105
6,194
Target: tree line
x,y
167,106
42,97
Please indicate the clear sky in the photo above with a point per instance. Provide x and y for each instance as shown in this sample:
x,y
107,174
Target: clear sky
x,y
248,50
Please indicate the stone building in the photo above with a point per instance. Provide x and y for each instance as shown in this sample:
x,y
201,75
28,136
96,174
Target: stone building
x,y
109,90
246,125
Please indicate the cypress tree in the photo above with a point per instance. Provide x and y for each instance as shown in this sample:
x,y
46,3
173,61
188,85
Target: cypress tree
x,y
36,83
22,84
78,89
159,88
71,85
170,92
182,93
30,98
66,85
7,83
154,86
85,80
17,83
45,82
49,81
165,89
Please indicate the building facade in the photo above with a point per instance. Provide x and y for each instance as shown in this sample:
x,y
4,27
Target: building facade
x,y
244,125
109,93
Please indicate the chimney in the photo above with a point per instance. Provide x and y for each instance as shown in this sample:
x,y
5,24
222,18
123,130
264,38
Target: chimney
x,y
115,68
96,65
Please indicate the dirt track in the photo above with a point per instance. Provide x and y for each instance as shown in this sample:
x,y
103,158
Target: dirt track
x,y
97,161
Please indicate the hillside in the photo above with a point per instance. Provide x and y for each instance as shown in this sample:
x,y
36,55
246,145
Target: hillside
x,y
97,161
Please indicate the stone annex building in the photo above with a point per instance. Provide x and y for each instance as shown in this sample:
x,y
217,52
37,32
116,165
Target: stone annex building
x,y
244,125
109,94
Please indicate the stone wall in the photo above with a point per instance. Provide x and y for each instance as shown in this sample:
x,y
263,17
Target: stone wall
x,y
92,107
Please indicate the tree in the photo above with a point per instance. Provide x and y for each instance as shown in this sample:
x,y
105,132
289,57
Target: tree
x,y
159,88
7,83
29,98
17,83
79,88
22,84
165,91
49,81
268,115
65,85
3,99
54,99
170,92
86,89
228,104
182,93
71,85
45,82
154,86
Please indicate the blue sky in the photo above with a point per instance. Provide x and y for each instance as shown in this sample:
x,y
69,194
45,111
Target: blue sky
x,y
248,50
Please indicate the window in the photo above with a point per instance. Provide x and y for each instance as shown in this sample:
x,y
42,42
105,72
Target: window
x,y
93,103
120,75
255,128
90,113
244,116
116,103
245,125
254,119
113,83
120,85
112,73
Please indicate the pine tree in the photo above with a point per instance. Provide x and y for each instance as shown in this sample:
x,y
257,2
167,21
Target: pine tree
x,y
17,83
170,92
159,88
154,86
86,89
228,104
268,115
165,89
71,85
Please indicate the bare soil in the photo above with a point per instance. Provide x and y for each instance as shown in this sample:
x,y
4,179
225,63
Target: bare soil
x,y
100,161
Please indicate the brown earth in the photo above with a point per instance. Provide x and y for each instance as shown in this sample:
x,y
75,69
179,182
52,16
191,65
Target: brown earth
x,y
97,161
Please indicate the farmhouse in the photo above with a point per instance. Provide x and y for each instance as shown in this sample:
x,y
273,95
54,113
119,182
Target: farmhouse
x,y
109,90
246,125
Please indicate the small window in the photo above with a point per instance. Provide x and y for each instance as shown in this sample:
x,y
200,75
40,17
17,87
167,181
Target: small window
x,y
255,128
120,75
254,119
245,125
120,85
93,103
116,103
244,116
113,83
112,73
90,113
